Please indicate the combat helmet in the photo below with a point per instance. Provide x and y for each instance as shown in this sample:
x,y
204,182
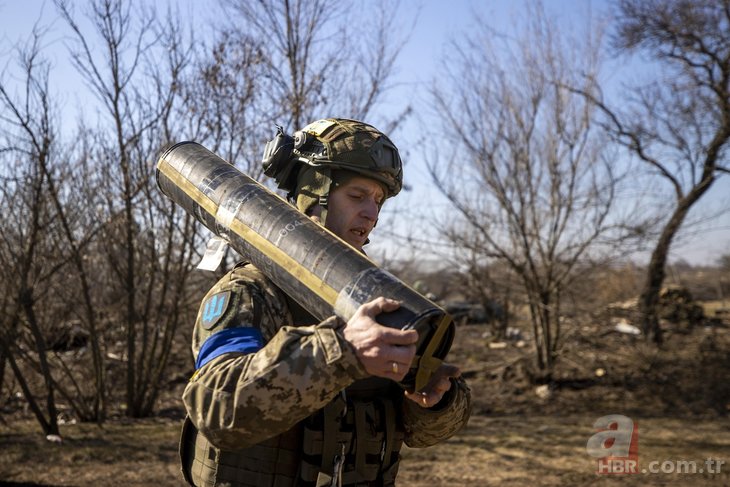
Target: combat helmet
x,y
308,164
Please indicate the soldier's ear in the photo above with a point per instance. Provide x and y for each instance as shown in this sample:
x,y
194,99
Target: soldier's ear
x,y
314,210
315,213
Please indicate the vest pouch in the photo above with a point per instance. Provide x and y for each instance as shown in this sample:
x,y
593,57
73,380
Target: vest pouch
x,y
186,449
359,444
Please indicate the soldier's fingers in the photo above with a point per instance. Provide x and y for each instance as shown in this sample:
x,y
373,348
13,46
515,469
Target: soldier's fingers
x,y
442,385
423,399
449,370
393,367
403,354
437,385
433,398
379,305
394,336
396,370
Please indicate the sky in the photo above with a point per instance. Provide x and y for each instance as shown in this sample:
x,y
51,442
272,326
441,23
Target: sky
x,y
706,233
420,62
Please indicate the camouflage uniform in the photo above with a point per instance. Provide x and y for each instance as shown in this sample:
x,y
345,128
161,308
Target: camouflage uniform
x,y
290,403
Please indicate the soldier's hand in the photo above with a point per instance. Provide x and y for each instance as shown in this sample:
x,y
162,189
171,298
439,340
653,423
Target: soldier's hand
x,y
384,352
439,384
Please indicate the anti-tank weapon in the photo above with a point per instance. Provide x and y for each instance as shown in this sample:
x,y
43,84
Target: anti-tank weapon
x,y
324,274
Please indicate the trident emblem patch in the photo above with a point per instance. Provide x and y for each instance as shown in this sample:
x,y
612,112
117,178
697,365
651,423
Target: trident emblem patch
x,y
213,309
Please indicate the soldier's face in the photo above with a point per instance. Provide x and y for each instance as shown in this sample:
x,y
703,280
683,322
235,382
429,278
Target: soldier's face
x,y
353,210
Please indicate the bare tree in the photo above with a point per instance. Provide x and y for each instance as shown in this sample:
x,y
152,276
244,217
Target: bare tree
x,y
61,285
527,174
29,137
226,100
145,247
319,57
679,125
491,287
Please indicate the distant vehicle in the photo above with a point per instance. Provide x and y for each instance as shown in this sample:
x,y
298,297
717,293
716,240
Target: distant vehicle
x,y
464,312
66,336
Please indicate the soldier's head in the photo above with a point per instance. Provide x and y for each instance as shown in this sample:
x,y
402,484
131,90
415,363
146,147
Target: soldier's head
x,y
338,171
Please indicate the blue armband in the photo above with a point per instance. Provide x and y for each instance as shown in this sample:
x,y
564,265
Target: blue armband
x,y
240,340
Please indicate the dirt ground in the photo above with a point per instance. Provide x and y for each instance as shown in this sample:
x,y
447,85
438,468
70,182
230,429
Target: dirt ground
x,y
505,450
522,431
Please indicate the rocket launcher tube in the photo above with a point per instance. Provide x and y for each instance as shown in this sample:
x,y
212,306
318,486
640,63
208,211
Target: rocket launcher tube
x,y
316,268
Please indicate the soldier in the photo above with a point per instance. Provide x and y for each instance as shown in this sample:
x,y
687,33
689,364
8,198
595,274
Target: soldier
x,y
278,399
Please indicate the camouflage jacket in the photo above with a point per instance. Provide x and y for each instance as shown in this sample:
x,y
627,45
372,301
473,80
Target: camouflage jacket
x,y
238,399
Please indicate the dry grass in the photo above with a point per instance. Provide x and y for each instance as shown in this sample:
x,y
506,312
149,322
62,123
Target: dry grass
x,y
508,450
543,450
122,452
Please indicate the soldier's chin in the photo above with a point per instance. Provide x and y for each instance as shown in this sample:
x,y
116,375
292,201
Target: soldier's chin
x,y
356,240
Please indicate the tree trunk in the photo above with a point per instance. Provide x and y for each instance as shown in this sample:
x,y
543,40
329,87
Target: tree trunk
x,y
50,427
3,360
649,299
26,300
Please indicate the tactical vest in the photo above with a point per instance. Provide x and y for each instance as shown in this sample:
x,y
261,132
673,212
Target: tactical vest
x,y
355,440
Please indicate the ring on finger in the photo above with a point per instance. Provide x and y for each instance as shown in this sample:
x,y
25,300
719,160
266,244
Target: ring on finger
x,y
394,367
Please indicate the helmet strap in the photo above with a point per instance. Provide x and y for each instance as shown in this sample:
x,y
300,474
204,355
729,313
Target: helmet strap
x,y
325,196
